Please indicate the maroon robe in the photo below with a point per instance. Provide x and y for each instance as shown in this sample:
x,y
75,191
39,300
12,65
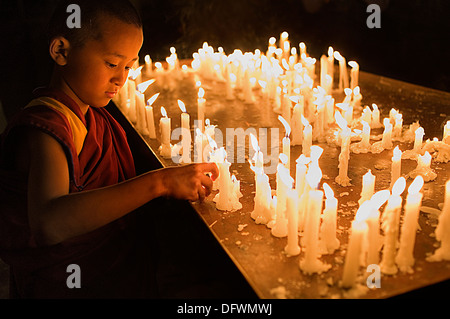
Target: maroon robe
x,y
111,262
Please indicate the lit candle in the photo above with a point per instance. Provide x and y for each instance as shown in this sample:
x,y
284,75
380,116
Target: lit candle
x,y
356,97
141,124
386,141
405,258
296,121
227,199
354,74
442,230
148,65
375,117
419,133
374,239
132,98
343,179
286,141
398,126
343,76
300,174
201,108
330,68
150,116
185,133
292,248
363,146
310,263
164,126
446,136
423,168
307,137
396,166
390,226
368,187
284,182
328,240
353,257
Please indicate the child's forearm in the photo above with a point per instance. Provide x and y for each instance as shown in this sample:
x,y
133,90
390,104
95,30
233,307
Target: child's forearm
x,y
78,213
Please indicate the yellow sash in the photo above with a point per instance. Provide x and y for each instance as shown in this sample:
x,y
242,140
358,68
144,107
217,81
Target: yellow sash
x,y
79,131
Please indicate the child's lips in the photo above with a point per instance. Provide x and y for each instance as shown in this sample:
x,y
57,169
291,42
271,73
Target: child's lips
x,y
111,94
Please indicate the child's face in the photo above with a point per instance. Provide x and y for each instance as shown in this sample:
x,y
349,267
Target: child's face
x,y
96,71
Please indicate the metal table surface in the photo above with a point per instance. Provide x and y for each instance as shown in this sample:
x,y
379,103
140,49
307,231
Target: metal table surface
x,y
260,256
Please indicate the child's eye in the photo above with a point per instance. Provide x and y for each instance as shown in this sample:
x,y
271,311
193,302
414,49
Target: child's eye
x,y
111,65
128,68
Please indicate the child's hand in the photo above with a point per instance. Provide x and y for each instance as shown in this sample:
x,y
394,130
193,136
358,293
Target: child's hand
x,y
190,181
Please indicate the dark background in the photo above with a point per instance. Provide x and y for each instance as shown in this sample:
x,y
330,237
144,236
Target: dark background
x,y
412,44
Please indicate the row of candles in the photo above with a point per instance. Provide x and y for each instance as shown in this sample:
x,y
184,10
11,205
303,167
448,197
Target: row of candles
x,y
298,204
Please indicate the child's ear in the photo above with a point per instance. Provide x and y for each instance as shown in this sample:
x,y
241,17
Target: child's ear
x,y
59,48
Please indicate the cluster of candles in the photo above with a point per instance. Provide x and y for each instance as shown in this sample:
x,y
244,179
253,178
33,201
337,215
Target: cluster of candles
x,y
309,114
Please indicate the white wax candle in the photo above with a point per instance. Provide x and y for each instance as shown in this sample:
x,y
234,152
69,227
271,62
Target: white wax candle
x,y
164,126
132,98
343,76
292,248
150,121
354,74
296,122
201,101
446,135
150,116
374,239
368,187
343,179
405,258
328,240
375,117
286,141
300,174
141,124
148,65
311,263
353,256
390,225
442,229
419,134
198,146
284,182
396,166
307,137
386,140
330,68
186,133
323,70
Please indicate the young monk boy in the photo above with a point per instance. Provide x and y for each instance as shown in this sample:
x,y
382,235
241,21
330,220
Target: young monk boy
x,y
68,186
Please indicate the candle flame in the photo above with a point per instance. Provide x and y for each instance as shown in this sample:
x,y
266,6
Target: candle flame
x,y
285,64
263,84
142,87
302,159
397,154
135,72
316,152
379,198
399,186
420,132
330,51
294,98
286,125
147,59
272,40
182,106
283,158
416,185
211,142
201,93
305,122
340,120
338,56
254,142
163,111
152,100
328,191
364,211
356,91
353,64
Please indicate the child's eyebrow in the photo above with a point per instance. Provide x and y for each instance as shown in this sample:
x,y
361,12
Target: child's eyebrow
x,y
120,56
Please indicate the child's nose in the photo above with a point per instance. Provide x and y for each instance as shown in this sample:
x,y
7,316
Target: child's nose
x,y
120,77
